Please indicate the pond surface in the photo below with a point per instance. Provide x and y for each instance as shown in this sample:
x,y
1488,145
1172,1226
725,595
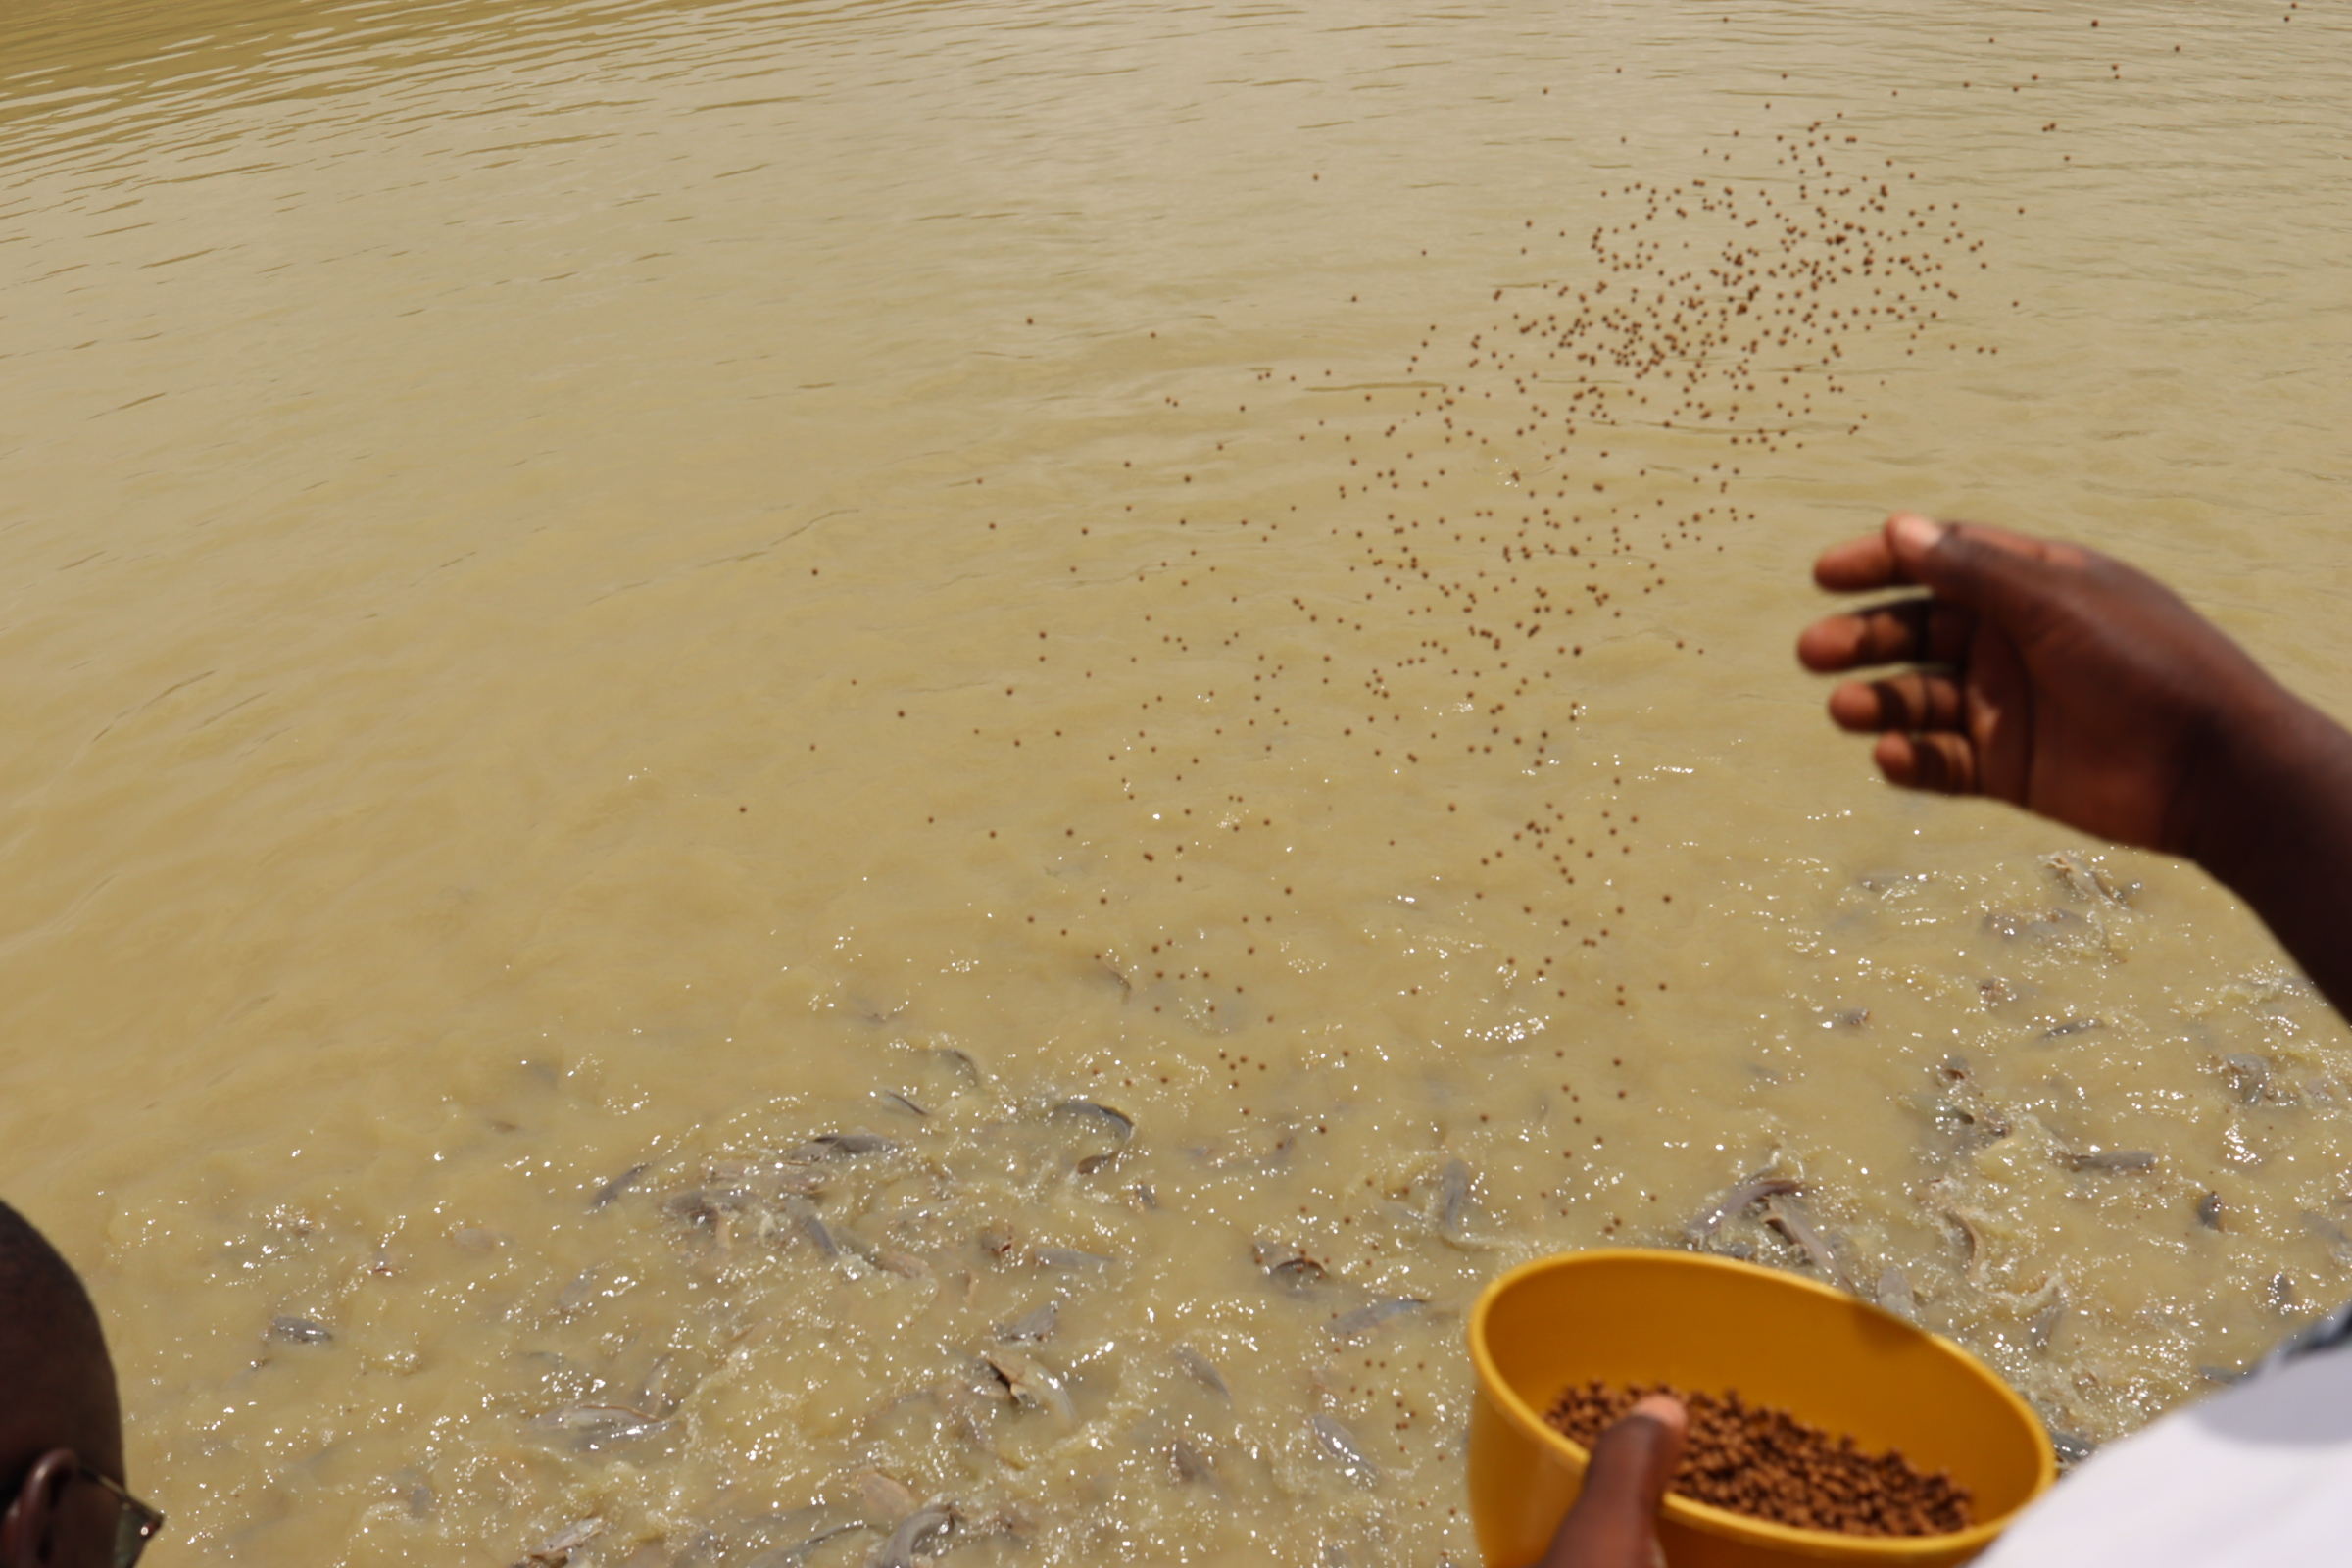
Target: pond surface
x,y
656,652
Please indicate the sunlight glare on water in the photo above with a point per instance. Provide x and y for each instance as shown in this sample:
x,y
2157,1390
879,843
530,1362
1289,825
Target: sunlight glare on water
x,y
778,762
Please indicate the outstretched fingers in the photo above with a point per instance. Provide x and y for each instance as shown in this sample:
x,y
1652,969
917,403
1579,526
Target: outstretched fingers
x,y
1943,763
1916,701
1906,631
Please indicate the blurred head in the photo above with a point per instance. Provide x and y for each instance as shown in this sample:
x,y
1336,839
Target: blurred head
x,y
61,1427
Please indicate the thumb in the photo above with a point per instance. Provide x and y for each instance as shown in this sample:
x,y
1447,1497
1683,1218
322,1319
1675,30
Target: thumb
x,y
1614,1524
1634,1458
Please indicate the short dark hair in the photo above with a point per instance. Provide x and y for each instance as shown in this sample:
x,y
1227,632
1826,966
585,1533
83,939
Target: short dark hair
x,y
52,1346
37,1287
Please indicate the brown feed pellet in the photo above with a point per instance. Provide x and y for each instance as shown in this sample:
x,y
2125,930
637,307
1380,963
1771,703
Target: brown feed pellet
x,y
1767,1464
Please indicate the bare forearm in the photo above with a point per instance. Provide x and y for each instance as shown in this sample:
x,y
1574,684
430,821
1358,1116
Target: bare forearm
x,y
2272,818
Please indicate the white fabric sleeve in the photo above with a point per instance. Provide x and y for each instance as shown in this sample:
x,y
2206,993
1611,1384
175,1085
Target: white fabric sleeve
x,y
2256,1476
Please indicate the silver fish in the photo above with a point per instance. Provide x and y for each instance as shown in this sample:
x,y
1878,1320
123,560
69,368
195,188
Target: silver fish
x,y
918,1536
2281,1292
598,1424
564,1542
2222,1374
2072,1027
1738,1201
618,1185
819,1234
1285,1265
1339,1444
299,1330
904,1264
2209,1211
904,1102
1202,1371
703,1205
2046,1324
1784,1216
1032,1384
2086,879
1030,1326
2053,925
1895,1294
2248,1077
1365,1319
1070,1258
1973,1250
1453,1206
581,1292
1190,1464
1116,1122
2107,1160
665,1386
840,1146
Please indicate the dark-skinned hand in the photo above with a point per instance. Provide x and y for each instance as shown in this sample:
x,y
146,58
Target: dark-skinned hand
x,y
2040,673
1614,1522
2070,684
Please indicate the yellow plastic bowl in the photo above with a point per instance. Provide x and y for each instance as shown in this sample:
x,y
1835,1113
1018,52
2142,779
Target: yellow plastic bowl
x,y
1711,1324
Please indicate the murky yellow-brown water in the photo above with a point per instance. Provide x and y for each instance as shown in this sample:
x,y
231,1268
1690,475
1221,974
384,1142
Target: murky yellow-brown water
x,y
611,588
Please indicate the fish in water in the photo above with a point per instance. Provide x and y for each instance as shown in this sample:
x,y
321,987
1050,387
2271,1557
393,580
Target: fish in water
x,y
1895,1294
1340,1445
2045,1323
886,1499
299,1330
2209,1211
1102,1120
1030,1326
1973,1250
1190,1464
2086,879
705,1205
2072,1027
904,1264
1286,1264
1070,1258
581,1292
1032,1384
840,1146
1365,1319
1782,1213
564,1542
594,1425
919,1535
1202,1370
1738,1201
2248,1076
1116,1122
618,1185
1454,1207
2107,1160
819,1234
904,1102
2281,1292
